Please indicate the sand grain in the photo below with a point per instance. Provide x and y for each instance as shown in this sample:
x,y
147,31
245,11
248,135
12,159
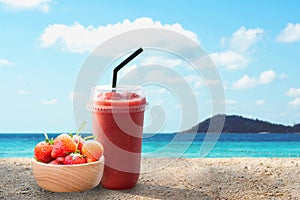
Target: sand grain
x,y
209,178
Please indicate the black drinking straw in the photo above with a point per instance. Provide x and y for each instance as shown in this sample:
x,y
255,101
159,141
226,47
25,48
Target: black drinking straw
x,y
122,64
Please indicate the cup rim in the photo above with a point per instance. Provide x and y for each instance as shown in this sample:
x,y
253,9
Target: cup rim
x,y
116,105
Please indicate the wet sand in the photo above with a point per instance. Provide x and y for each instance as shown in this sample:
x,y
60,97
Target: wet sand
x,y
183,178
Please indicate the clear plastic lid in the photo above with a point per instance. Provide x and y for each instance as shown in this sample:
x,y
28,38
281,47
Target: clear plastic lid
x,y
120,99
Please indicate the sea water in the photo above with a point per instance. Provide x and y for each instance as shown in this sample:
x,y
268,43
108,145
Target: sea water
x,y
180,145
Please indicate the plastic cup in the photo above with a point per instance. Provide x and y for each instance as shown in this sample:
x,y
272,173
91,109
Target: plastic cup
x,y
118,117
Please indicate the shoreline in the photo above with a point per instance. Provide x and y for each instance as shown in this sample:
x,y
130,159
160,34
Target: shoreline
x,y
182,178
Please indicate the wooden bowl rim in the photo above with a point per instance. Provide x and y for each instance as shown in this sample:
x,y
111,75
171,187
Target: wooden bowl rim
x,y
101,160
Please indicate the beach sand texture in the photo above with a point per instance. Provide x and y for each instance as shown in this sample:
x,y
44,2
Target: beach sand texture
x,y
183,178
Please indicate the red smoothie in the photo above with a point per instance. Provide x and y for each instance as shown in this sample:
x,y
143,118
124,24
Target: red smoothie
x,y
118,124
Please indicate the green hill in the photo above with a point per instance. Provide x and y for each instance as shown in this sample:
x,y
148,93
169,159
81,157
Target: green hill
x,y
239,124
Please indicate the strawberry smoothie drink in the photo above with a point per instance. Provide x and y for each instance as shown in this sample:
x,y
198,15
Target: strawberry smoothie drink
x,y
118,116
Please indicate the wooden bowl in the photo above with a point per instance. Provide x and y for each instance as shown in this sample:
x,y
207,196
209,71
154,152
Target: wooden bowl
x,y
67,178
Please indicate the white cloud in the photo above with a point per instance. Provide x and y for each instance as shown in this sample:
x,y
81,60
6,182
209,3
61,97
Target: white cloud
x,y
283,76
291,33
243,39
293,92
260,102
79,39
42,5
231,60
49,102
295,102
23,92
4,62
245,82
239,46
296,93
267,77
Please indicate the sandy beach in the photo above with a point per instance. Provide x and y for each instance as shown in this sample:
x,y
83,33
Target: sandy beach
x,y
208,178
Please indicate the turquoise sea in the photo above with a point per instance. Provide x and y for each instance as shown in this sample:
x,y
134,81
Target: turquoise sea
x,y
180,145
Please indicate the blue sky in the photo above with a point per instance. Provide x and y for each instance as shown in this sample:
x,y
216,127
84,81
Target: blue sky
x,y
255,47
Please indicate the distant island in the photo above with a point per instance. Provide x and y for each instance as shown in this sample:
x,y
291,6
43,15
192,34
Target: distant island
x,y
239,124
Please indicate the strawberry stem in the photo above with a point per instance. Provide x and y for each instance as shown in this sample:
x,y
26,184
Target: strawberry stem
x,y
77,144
46,136
77,151
89,137
80,128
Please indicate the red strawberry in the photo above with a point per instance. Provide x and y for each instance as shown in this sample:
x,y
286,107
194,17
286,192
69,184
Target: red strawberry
x,y
58,161
42,151
54,162
74,158
92,150
63,145
78,141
